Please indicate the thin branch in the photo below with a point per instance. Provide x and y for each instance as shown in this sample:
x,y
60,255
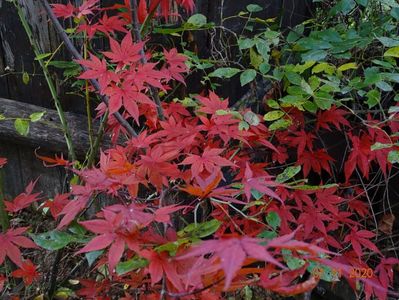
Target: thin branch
x,y
143,59
75,53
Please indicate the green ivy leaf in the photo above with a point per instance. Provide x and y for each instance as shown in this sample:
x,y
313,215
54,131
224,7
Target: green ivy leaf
x,y
392,52
247,76
224,73
273,219
197,20
256,59
37,116
252,8
52,240
130,265
22,126
273,115
200,230
280,124
373,98
393,156
25,78
288,173
347,66
92,256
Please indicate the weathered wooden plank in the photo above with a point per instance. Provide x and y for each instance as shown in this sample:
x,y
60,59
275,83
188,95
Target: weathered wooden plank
x,y
23,167
47,133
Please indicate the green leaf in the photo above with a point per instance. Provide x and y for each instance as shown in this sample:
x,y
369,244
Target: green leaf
x,y
325,273
247,76
22,126
256,59
252,8
243,126
273,104
251,118
25,78
273,115
273,219
92,256
384,86
306,87
245,43
306,187
200,230
292,262
388,42
392,52
37,116
373,98
379,146
362,2
267,235
315,55
288,173
263,48
43,56
347,66
130,265
323,67
198,20
293,77
323,100
2,117
52,240
393,156
224,72
280,124
264,67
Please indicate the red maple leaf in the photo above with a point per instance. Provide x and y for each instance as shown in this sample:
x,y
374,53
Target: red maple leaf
x,y
57,205
3,161
163,214
142,12
260,183
97,69
333,116
311,218
360,156
209,161
329,200
302,140
27,272
126,52
358,238
111,24
63,11
23,200
10,242
232,259
212,103
175,64
54,162
114,231
317,161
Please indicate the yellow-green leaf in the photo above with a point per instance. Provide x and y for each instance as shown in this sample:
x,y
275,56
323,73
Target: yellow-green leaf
x,y
25,78
273,115
347,66
22,126
392,52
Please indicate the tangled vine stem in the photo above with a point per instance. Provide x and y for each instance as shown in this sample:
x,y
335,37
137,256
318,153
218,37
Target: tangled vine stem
x,y
75,53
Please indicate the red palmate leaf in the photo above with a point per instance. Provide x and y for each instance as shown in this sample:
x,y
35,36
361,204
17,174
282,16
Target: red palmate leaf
x,y
23,200
27,272
11,241
3,161
334,116
232,260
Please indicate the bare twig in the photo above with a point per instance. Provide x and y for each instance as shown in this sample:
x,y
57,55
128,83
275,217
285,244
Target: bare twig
x,y
75,53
